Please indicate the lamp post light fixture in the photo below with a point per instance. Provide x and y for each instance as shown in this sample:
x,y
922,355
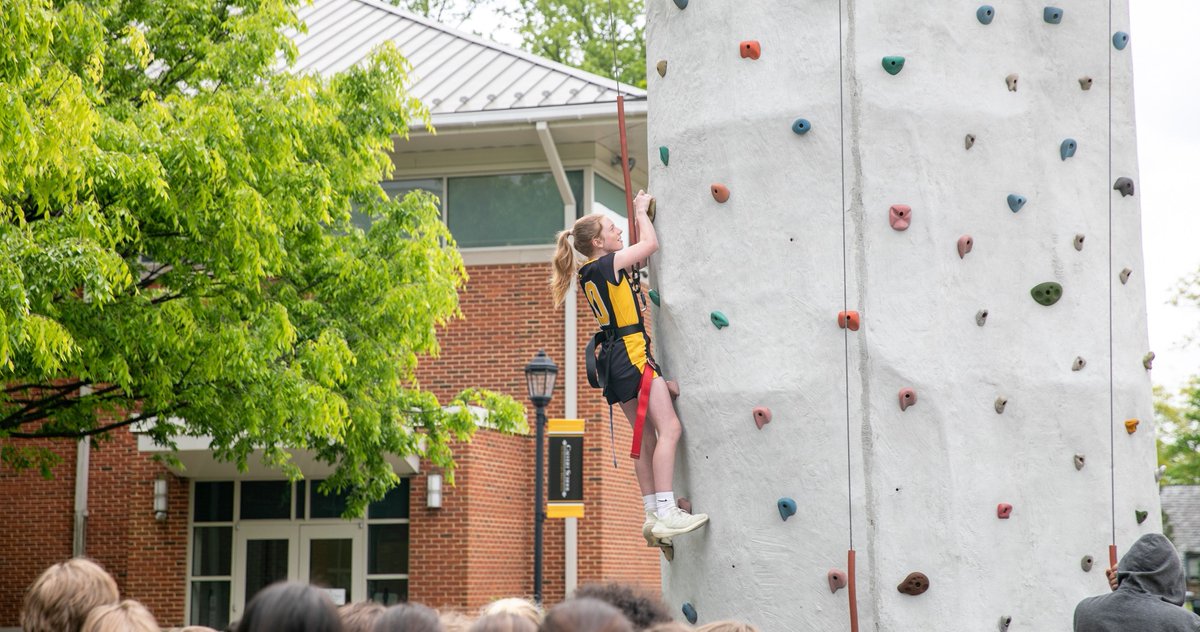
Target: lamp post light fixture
x,y
160,499
433,490
539,377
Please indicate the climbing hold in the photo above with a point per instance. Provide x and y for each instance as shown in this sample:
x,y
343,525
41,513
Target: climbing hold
x,y
1067,148
1124,185
1000,404
664,155
1086,563
662,68
837,580
689,611
893,64
1159,472
1148,360
1015,202
673,389
654,298
1131,425
1080,461
1079,241
682,4
1120,40
908,397
684,504
1047,293
1005,621
985,14
750,49
1085,83
970,141
762,416
720,193
1125,275
801,126
899,216
1052,15
650,210
1140,515
719,320
981,317
1011,80
1003,511
914,584
1078,364
965,243
849,319
787,508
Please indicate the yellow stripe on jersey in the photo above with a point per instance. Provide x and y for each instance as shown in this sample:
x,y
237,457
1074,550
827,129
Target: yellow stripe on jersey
x,y
624,305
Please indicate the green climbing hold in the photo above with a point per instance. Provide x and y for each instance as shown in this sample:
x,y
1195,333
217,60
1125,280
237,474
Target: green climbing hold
x,y
893,64
1047,293
719,320
1141,515
654,297
664,154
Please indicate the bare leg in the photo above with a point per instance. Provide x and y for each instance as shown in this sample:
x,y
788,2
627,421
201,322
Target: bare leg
x,y
642,467
666,424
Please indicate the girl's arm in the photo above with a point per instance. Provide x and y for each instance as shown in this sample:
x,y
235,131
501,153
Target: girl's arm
x,y
648,240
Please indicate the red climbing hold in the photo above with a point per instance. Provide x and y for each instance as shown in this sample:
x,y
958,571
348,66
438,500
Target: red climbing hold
x,y
720,193
1003,511
762,416
899,216
915,584
837,580
684,504
751,49
908,397
965,243
850,319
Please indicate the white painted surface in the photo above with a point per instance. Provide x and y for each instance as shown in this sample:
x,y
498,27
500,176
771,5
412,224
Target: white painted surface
x,y
925,483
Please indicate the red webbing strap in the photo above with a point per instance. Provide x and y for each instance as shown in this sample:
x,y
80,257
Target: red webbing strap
x,y
1112,555
853,591
643,404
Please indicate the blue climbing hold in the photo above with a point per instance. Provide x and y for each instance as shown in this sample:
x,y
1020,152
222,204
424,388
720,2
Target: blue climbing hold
x,y
1052,15
985,14
689,611
801,126
1120,40
1067,148
787,508
682,4
654,297
719,320
893,64
664,154
1015,202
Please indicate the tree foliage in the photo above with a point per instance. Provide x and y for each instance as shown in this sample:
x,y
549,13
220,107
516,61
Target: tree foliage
x,y
583,34
1179,433
452,12
176,247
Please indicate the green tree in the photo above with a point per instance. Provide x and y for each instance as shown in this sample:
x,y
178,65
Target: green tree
x,y
583,34
176,247
452,12
1179,433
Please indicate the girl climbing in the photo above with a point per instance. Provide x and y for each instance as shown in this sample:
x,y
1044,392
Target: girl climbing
x,y
625,369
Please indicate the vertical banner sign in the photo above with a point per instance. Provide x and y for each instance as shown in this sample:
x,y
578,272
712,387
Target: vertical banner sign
x,y
566,468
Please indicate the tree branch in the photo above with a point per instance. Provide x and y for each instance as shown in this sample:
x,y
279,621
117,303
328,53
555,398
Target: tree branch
x,y
94,431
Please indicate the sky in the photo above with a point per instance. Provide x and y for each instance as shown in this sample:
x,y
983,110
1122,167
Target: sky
x,y
1167,102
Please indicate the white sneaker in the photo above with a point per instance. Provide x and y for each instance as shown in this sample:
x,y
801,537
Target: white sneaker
x,y
677,522
647,529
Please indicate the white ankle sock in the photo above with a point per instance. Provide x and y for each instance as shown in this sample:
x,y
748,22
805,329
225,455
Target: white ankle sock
x,y
649,503
664,502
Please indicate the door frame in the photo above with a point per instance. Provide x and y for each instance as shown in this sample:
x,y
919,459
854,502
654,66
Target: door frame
x,y
355,532
243,532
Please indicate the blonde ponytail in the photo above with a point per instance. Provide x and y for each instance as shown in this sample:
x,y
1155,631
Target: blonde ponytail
x,y
586,229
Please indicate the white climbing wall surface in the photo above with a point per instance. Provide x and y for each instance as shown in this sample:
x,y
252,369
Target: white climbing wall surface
x,y
969,171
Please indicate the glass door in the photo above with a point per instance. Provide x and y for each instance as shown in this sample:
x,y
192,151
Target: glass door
x,y
264,554
331,557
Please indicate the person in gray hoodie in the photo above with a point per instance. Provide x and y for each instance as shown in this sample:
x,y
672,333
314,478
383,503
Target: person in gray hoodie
x,y
1150,590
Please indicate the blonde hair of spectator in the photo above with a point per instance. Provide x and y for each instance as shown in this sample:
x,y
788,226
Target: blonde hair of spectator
x,y
127,616
455,621
670,626
62,596
503,622
523,608
726,626
360,616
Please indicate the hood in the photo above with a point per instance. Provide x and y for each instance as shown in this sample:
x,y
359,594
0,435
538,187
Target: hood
x,y
1152,566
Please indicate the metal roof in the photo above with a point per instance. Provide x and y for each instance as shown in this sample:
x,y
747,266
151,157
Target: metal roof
x,y
1181,503
452,72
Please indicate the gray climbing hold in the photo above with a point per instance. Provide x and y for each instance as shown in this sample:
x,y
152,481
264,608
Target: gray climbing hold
x,y
985,14
1000,404
1148,360
1080,461
1124,185
893,64
654,297
1078,364
682,4
1079,241
1120,40
970,141
689,612
1086,563
1005,621
1067,148
801,126
1125,275
1085,83
1011,80
1052,15
981,317
787,508
662,68
664,155
719,319
1015,202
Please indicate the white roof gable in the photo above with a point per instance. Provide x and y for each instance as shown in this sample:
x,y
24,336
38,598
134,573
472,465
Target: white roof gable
x,y
453,72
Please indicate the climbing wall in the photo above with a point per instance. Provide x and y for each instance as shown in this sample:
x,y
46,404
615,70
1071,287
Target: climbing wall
x,y
961,426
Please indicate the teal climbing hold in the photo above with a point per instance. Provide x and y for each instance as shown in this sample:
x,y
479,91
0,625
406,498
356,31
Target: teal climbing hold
x,y
682,4
654,297
719,320
1120,40
1067,148
1052,15
689,612
664,155
801,126
893,64
1015,202
787,508
1140,515
1047,293
985,14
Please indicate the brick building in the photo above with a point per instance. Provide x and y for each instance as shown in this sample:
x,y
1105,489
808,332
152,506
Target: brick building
x,y
523,146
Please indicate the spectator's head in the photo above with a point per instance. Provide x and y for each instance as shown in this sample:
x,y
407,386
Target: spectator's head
x,y
585,615
642,610
127,616
726,626
290,607
503,622
360,616
408,617
61,598
453,621
523,608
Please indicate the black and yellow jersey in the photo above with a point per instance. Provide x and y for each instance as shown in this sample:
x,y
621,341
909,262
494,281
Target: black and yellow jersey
x,y
615,306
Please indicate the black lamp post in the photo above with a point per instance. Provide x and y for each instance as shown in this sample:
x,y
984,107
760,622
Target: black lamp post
x,y
539,376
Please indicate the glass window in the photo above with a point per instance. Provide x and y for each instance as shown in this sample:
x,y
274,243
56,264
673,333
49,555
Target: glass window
x,y
1193,566
210,604
394,505
212,549
330,565
387,549
507,210
266,563
387,591
397,189
301,496
331,506
213,502
266,500
609,197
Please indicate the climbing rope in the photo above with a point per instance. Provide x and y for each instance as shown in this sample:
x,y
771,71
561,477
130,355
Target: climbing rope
x,y
1112,465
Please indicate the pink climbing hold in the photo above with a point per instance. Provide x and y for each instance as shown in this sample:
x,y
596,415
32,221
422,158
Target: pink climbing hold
x,y
762,416
1003,511
837,580
673,389
965,243
899,216
908,397
750,49
848,319
684,504
720,193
